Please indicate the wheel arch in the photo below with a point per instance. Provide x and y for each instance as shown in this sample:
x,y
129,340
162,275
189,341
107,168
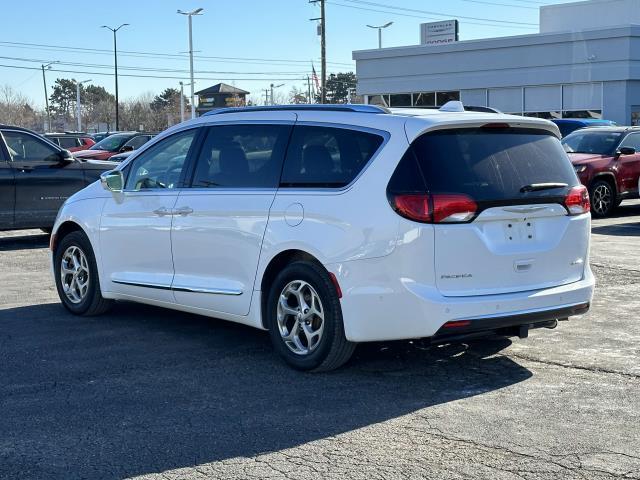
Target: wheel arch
x,y
606,176
275,265
65,228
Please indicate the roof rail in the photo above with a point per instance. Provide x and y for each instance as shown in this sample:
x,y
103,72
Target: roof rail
x,y
357,108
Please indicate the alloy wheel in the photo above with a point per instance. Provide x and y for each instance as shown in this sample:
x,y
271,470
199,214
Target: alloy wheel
x,y
602,199
74,274
300,317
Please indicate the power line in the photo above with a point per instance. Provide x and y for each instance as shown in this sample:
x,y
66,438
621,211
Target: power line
x,y
509,22
173,56
423,17
151,69
500,4
501,24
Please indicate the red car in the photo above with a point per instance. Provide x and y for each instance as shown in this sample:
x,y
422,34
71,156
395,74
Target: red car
x,y
607,161
74,142
116,143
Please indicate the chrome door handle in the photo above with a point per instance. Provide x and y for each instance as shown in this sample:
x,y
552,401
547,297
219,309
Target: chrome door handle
x,y
184,211
161,212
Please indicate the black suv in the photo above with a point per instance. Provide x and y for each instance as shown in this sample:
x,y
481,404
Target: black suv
x,y
36,177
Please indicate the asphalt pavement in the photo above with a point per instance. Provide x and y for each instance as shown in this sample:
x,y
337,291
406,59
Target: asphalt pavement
x,y
155,394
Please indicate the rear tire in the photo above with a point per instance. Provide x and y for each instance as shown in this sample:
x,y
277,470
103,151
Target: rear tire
x,y
76,275
603,198
304,319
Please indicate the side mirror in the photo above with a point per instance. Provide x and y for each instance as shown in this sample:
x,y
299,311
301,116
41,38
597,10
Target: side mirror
x,y
66,156
126,148
626,151
112,181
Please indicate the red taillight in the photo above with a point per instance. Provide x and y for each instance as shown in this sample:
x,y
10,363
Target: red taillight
x,y
577,201
414,207
448,208
437,208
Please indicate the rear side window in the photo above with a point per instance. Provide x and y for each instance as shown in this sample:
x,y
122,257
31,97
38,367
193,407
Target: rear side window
x,y
67,142
489,164
327,157
242,156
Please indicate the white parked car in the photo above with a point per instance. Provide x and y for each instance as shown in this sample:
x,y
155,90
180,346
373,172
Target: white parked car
x,y
333,225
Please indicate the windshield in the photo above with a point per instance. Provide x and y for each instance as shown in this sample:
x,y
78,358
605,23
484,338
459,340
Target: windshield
x,y
112,143
597,143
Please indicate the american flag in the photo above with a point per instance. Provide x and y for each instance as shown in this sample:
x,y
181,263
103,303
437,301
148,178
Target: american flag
x,y
316,80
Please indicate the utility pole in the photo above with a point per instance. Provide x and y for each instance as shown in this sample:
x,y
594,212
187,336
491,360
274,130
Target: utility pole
x,y
309,90
266,96
78,108
115,63
323,50
197,11
272,87
46,96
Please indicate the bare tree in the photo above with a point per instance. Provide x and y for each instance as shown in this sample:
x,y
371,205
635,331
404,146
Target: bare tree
x,y
16,109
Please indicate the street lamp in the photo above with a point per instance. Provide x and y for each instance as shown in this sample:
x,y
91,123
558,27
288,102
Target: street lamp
x,y
47,66
79,114
197,11
182,101
272,87
380,27
115,63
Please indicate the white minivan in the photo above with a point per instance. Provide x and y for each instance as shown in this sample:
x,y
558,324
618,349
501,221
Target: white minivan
x,y
329,225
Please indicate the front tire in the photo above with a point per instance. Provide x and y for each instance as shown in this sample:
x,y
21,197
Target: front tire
x,y
76,275
603,198
304,318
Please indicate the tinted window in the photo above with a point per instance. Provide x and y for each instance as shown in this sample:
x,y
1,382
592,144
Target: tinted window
x,y
598,143
25,147
567,128
161,166
633,141
242,156
327,157
67,142
492,164
137,142
112,143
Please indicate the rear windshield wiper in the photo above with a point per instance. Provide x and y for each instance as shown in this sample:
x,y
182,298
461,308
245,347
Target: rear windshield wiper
x,y
536,187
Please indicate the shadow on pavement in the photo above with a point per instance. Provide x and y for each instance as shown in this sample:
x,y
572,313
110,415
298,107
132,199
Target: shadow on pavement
x,y
145,390
24,242
621,230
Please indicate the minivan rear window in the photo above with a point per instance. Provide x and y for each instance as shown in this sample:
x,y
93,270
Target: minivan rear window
x,y
493,164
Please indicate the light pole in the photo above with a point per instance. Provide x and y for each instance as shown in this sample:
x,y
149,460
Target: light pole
x,y
182,101
380,27
197,11
115,63
47,66
272,87
78,109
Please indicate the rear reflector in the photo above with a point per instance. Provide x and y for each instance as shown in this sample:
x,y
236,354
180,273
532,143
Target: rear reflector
x,y
577,200
436,208
457,324
334,280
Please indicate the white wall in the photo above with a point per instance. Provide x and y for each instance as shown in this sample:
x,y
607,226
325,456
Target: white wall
x,y
573,17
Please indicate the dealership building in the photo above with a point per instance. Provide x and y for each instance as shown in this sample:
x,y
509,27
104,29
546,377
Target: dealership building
x,y
585,62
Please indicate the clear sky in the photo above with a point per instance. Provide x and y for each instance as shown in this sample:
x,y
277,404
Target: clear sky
x,y
263,41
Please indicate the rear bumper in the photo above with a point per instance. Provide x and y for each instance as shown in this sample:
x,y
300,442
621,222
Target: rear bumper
x,y
509,325
378,307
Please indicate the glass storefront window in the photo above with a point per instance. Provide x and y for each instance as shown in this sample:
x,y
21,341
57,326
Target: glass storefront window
x,y
425,99
546,115
401,100
444,97
582,114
